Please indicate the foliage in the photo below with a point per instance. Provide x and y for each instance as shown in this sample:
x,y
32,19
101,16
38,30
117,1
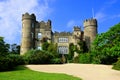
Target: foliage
x,y
22,73
52,48
45,46
7,60
117,65
76,59
85,58
17,59
82,48
106,48
56,61
40,57
71,51
10,61
4,48
15,49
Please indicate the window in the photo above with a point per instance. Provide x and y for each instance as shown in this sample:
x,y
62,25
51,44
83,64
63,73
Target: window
x,y
39,48
39,35
62,39
32,25
63,50
32,35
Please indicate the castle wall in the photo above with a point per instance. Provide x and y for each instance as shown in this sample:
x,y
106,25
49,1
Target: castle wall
x,y
90,31
28,22
33,32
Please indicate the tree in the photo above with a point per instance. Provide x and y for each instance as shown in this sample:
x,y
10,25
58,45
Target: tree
x,y
71,51
15,49
52,48
45,46
4,48
106,46
8,61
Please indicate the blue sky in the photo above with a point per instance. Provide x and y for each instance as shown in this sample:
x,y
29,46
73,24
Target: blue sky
x,y
63,13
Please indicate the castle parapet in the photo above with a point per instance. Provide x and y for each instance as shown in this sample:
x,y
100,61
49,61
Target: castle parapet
x,y
76,28
90,22
28,16
62,34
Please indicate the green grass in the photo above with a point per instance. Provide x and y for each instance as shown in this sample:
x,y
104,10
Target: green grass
x,y
22,73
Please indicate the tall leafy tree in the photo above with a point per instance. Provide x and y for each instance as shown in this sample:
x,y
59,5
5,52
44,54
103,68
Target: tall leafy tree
x,y
15,49
4,48
71,51
106,46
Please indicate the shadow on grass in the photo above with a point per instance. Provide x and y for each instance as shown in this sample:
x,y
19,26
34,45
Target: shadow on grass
x,y
19,67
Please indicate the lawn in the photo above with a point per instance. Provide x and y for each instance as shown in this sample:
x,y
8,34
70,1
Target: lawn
x,y
22,73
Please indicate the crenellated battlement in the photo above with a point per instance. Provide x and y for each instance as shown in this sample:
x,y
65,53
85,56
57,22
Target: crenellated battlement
x,y
77,28
45,25
28,16
90,22
34,31
62,33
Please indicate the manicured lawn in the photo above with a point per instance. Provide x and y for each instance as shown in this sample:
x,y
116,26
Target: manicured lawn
x,y
22,73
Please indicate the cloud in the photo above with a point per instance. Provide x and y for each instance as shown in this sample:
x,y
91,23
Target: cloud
x,y
102,14
111,2
71,23
11,12
115,16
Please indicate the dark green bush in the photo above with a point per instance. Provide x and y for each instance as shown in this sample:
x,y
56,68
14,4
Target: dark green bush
x,y
40,57
85,58
17,59
56,61
117,65
76,59
10,61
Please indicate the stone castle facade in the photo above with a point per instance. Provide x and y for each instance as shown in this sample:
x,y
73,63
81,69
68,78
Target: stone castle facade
x,y
33,32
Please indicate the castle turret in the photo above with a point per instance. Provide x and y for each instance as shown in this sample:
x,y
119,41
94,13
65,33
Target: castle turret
x,y
90,31
28,24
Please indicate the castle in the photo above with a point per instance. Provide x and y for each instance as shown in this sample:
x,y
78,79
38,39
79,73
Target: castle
x,y
33,32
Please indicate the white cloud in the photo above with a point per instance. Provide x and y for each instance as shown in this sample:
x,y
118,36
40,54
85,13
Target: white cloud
x,y
100,16
111,2
115,16
71,23
11,12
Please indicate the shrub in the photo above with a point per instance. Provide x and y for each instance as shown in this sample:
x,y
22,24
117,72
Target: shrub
x,y
10,61
117,65
17,59
37,57
41,57
85,58
56,61
76,59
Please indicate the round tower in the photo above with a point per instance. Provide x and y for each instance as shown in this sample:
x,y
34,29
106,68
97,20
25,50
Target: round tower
x,y
28,24
90,31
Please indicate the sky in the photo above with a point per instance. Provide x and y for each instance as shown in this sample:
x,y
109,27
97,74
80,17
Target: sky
x,y
64,14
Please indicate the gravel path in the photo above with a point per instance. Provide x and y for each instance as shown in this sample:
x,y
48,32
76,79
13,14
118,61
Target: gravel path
x,y
84,71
